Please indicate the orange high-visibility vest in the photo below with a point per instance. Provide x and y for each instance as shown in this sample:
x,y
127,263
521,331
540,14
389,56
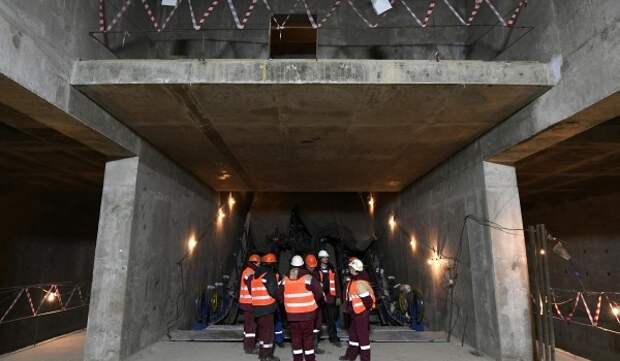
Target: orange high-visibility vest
x,y
353,295
297,297
260,296
332,280
244,293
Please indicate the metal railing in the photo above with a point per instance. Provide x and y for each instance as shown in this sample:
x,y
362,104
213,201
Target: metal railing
x,y
23,302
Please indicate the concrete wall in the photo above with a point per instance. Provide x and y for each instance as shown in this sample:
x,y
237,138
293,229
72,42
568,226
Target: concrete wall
x,y
149,205
433,207
47,237
345,35
491,304
590,230
149,211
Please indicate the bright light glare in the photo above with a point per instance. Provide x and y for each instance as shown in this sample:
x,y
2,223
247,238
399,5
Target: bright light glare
x,y
615,310
191,243
392,222
371,204
413,243
231,201
542,252
435,259
51,297
221,215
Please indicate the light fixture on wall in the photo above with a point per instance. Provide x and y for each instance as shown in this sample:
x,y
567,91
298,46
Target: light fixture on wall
x,y
191,244
542,252
435,259
220,215
371,204
231,201
392,222
413,243
51,296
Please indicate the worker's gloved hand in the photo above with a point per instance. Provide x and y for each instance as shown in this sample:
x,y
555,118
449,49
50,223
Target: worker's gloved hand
x,y
338,301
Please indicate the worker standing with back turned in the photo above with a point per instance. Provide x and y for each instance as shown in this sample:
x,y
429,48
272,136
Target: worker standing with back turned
x,y
311,265
331,288
265,294
245,305
360,300
302,294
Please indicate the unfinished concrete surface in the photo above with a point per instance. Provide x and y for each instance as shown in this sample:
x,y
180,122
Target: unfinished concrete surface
x,y
40,42
283,125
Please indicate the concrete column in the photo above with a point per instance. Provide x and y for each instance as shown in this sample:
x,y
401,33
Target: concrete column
x,y
509,263
106,315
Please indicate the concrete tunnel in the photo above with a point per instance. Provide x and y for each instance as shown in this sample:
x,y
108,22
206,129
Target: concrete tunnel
x,y
474,172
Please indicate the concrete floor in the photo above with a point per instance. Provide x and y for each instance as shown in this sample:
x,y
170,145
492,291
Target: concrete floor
x,y
70,348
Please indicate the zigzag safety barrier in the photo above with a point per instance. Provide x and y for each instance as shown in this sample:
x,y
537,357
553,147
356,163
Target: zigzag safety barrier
x,y
240,22
41,299
593,315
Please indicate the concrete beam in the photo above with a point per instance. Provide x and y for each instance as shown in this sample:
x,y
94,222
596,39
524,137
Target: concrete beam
x,y
194,72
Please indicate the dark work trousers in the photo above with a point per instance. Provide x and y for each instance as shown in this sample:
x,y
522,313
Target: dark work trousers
x,y
249,331
359,337
330,314
302,339
265,335
318,321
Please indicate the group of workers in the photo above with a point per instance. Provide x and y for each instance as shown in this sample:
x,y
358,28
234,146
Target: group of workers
x,y
309,292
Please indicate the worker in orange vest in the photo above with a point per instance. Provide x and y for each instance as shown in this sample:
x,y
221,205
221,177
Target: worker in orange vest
x,y
245,305
311,265
360,300
302,294
331,288
263,288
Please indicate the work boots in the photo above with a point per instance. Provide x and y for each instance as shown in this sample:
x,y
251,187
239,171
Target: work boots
x,y
317,350
335,341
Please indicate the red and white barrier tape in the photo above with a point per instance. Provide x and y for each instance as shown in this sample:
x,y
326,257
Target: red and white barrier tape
x,y
429,12
198,24
330,12
413,15
101,16
359,14
474,11
309,14
241,22
118,15
499,17
516,12
456,13
150,14
163,26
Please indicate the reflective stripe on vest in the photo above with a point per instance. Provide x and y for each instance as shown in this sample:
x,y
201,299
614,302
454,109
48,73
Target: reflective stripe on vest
x,y
355,297
260,296
332,281
244,293
297,297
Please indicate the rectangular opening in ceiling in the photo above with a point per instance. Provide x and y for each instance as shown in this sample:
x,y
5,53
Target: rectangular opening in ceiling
x,y
292,37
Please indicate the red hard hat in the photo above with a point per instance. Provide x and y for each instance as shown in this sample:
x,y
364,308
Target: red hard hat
x,y
311,260
254,258
269,258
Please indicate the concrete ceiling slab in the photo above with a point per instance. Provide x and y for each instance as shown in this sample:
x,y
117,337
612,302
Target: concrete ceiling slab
x,y
310,125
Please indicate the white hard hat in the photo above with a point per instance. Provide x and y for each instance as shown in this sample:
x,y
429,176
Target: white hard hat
x,y
323,253
357,265
297,261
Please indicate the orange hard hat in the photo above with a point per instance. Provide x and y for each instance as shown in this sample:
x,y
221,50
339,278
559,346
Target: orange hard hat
x,y
269,258
254,258
311,260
